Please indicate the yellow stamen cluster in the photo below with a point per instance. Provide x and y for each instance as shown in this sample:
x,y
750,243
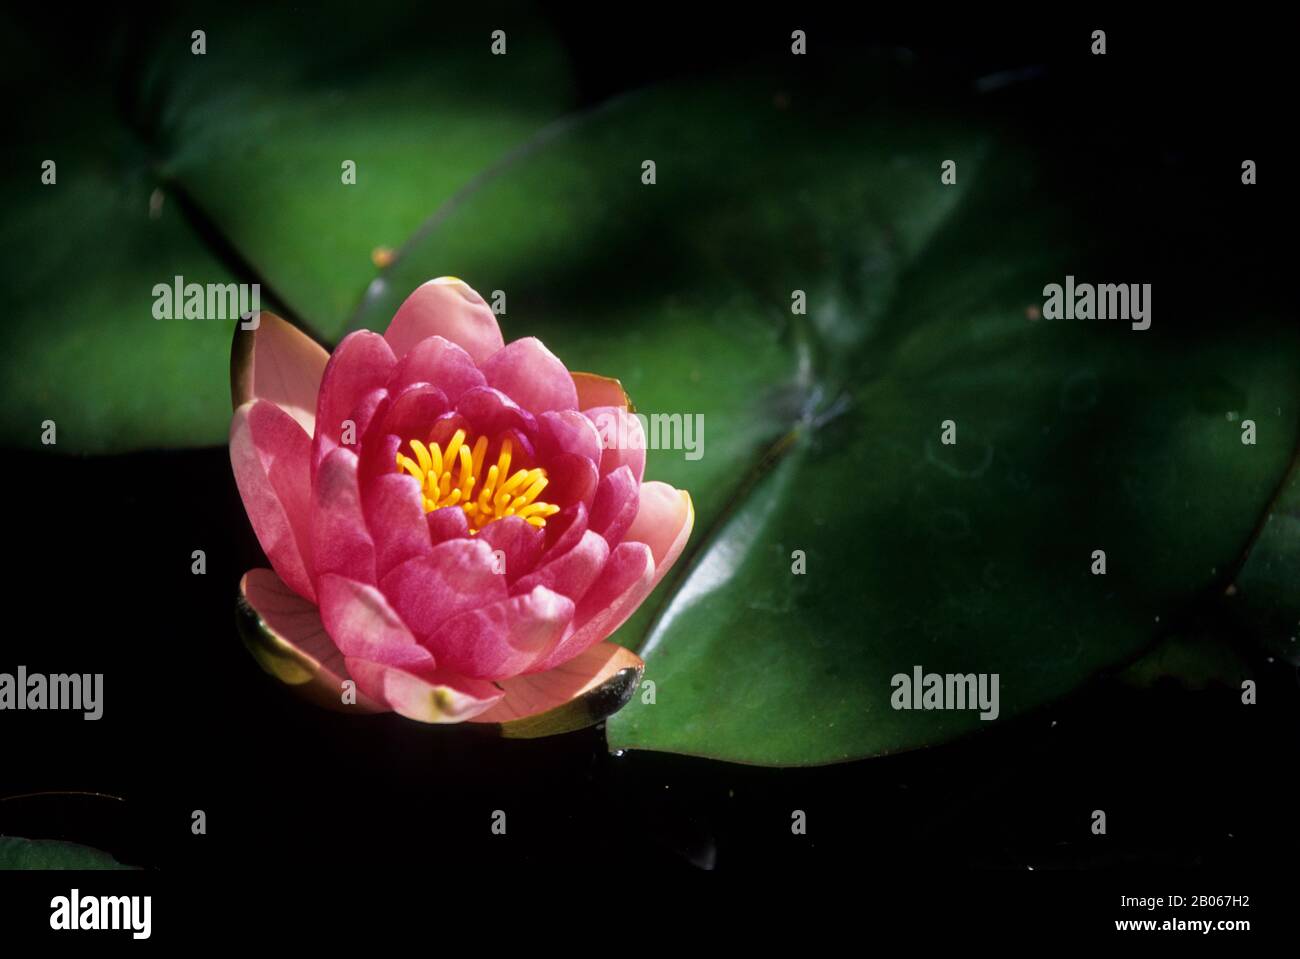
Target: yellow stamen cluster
x,y
451,477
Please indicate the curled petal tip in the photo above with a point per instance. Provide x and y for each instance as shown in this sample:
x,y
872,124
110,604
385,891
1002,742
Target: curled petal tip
x,y
594,390
285,635
575,695
273,360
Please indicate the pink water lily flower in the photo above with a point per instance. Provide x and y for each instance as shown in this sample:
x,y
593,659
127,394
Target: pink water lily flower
x,y
446,527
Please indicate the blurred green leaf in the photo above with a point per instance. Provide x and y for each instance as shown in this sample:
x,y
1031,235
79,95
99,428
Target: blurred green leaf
x,y
257,131
80,345
227,167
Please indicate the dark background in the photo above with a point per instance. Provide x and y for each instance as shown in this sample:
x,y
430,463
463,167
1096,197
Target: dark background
x,y
99,581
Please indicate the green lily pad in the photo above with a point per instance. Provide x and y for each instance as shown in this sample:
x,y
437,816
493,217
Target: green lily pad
x,y
823,431
1192,661
1266,593
18,853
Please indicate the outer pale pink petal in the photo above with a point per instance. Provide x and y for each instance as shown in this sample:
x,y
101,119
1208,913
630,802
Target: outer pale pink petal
x,y
439,362
615,506
360,365
663,522
458,575
394,511
576,680
364,626
622,440
623,584
277,362
341,542
532,376
570,573
446,307
423,694
285,634
271,459
596,390
504,638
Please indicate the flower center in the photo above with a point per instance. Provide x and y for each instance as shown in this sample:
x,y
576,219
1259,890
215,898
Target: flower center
x,y
454,477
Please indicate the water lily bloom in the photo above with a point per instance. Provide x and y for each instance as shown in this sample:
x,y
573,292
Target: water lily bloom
x,y
445,525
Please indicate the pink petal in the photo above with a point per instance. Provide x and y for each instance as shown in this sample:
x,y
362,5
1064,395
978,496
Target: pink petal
x,y
503,638
340,540
394,512
532,376
292,644
489,412
622,585
414,411
271,459
567,431
360,364
447,424
363,424
447,523
424,694
572,481
616,505
456,576
446,307
565,528
520,544
572,573
622,440
663,522
364,626
378,455
438,362
279,363
535,693
596,390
